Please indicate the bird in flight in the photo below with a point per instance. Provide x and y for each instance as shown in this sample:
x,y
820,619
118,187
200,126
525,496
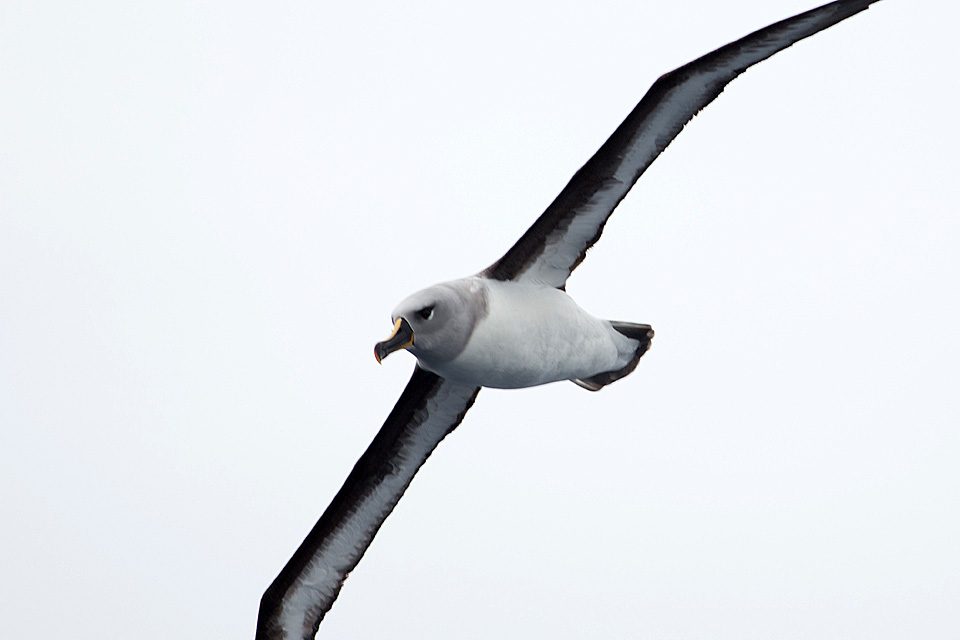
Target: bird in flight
x,y
510,326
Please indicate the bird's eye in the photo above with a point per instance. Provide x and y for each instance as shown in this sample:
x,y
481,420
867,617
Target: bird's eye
x,y
426,313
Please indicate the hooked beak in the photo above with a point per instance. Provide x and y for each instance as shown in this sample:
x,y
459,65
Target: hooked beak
x,y
401,338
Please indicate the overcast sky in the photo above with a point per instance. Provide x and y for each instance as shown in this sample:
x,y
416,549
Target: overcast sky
x,y
208,211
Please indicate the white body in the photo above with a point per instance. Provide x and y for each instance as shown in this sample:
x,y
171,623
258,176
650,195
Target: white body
x,y
532,335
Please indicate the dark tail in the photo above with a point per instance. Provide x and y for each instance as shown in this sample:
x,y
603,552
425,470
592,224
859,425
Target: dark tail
x,y
643,334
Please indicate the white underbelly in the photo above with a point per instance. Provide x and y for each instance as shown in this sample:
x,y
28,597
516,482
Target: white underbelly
x,y
532,336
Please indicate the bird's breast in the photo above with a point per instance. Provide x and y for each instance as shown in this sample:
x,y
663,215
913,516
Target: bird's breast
x,y
531,335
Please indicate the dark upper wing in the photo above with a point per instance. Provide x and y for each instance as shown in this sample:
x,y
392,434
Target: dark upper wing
x,y
558,241
429,408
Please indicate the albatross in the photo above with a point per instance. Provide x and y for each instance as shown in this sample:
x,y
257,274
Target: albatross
x,y
512,325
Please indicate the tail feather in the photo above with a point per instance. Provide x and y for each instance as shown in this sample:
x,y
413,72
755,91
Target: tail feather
x,y
643,334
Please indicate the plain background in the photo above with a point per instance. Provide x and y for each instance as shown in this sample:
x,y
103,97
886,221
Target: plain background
x,y
208,211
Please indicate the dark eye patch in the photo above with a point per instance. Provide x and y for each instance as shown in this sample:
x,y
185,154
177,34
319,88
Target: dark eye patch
x,y
426,312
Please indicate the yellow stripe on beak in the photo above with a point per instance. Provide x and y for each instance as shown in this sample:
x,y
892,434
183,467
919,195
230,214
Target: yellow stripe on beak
x,y
401,338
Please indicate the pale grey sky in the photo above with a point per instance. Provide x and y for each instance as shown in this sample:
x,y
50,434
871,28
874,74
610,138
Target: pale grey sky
x,y
207,213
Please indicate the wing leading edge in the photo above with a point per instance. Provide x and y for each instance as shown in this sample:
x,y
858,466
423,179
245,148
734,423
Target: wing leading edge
x,y
429,408
558,241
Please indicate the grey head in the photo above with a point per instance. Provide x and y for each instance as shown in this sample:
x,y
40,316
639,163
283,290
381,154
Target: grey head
x,y
435,324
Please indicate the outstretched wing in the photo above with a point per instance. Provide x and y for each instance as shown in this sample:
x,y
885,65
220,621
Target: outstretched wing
x,y
429,408
558,241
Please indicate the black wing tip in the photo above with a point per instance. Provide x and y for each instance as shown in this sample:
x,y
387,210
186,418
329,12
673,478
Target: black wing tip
x,y
421,386
521,256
